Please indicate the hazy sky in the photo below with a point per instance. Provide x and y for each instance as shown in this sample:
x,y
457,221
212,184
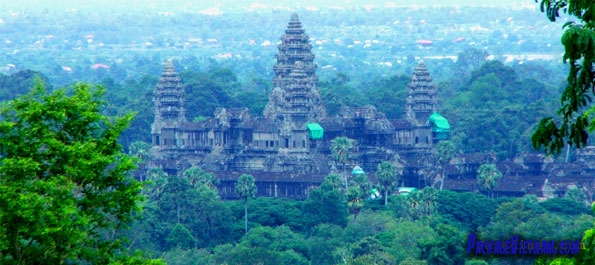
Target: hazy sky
x,y
8,5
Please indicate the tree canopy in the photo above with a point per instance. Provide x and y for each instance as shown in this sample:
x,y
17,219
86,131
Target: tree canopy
x,y
579,52
65,188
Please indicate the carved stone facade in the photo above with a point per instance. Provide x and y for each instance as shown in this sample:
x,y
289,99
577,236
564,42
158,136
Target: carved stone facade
x,y
280,149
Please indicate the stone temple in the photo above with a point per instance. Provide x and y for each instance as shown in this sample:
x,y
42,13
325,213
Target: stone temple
x,y
287,149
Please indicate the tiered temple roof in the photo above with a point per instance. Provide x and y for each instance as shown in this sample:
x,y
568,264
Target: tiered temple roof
x,y
169,110
294,47
295,98
421,100
169,95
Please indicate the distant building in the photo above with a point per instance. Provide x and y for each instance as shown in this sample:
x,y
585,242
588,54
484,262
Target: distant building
x,y
287,149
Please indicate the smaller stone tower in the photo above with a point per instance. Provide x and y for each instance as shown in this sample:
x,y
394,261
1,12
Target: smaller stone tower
x,y
421,99
168,108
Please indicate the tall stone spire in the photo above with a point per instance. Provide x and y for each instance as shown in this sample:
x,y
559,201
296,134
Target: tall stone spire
x,y
168,102
421,100
295,80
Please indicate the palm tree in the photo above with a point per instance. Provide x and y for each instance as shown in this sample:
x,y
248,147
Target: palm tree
x,y
386,178
157,180
429,200
444,153
358,190
354,201
415,205
422,203
246,189
140,150
340,151
197,177
487,178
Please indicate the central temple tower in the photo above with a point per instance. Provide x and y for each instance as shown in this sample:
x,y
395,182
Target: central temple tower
x,y
169,108
295,99
421,101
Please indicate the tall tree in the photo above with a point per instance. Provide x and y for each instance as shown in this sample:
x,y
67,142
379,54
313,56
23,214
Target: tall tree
x,y
246,189
421,203
197,177
579,52
386,178
325,204
140,150
358,190
487,178
444,153
65,188
341,151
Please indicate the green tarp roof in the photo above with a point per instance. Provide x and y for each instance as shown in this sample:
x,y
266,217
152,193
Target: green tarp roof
x,y
358,170
439,123
316,131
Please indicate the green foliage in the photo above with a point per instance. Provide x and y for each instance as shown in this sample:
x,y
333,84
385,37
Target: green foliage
x,y
371,223
388,95
495,111
278,239
508,216
246,189
487,177
20,82
405,240
368,248
140,149
182,214
422,203
197,177
341,149
471,58
325,205
386,174
476,262
552,227
579,53
188,257
576,195
446,248
469,210
341,152
358,191
65,188
338,92
411,261
205,92
324,239
268,211
181,237
564,206
265,245
444,152
585,256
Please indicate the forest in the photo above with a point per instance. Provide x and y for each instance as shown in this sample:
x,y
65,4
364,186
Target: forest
x,y
493,100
